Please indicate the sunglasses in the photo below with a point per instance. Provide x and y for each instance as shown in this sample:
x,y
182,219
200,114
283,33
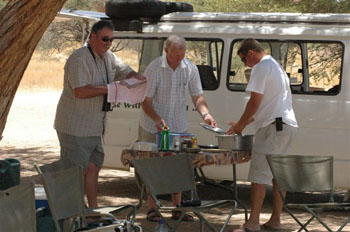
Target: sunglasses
x,y
106,39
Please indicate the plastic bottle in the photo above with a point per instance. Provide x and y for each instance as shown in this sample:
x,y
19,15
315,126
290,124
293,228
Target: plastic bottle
x,y
161,227
176,143
194,142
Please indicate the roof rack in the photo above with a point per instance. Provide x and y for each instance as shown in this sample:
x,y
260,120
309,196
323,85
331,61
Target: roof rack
x,y
257,17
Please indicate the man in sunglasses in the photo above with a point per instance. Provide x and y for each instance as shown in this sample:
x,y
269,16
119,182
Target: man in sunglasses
x,y
80,118
270,107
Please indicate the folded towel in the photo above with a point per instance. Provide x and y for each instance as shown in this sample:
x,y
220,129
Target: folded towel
x,y
124,92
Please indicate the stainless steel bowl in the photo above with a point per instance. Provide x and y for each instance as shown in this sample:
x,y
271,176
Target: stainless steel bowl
x,y
236,142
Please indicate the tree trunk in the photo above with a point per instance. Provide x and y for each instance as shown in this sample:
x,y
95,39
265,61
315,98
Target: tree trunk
x,y
22,23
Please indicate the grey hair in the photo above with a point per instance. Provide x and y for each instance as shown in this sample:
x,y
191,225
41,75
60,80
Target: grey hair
x,y
175,40
98,26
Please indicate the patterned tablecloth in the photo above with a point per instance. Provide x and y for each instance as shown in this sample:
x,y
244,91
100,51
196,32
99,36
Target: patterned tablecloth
x,y
219,157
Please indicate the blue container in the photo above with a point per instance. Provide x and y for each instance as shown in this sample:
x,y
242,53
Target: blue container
x,y
171,137
40,198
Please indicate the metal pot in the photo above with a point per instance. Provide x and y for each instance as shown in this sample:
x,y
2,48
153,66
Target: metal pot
x,y
236,142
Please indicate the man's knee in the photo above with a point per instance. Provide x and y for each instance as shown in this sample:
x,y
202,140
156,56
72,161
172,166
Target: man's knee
x,y
92,169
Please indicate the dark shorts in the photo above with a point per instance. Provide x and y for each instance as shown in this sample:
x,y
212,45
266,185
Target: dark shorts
x,y
80,150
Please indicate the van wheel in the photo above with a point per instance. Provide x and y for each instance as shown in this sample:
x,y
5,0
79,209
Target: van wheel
x,y
177,7
135,9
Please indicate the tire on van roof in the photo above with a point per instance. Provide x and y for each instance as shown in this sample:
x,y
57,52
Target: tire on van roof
x,y
134,9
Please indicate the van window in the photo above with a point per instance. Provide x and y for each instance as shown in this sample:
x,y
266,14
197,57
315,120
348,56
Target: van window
x,y
137,53
206,54
314,67
239,74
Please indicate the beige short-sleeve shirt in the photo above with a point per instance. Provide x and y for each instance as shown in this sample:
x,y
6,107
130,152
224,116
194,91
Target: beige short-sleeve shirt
x,y
84,117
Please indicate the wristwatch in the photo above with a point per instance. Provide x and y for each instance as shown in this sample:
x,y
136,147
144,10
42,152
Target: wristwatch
x,y
205,114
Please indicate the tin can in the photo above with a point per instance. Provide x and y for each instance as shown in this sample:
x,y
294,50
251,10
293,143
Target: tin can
x,y
165,143
194,142
186,143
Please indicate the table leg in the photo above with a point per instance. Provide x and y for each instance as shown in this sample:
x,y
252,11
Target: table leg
x,y
142,188
236,192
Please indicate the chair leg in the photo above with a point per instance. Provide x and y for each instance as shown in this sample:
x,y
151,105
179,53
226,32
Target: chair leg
x,y
177,223
203,220
142,195
171,228
296,219
306,224
201,225
71,225
344,224
57,225
228,218
317,218
167,224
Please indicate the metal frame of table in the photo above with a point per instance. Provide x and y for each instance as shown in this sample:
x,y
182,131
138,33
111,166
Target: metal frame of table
x,y
203,158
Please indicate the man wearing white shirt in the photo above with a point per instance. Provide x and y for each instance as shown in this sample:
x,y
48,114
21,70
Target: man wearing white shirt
x,y
270,107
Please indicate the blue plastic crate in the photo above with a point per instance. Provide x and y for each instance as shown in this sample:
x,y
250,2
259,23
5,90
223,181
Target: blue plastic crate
x,y
40,198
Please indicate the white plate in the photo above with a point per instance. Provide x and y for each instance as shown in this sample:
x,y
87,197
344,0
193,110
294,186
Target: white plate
x,y
216,130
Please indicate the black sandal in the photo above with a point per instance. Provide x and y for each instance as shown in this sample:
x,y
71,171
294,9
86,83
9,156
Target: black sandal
x,y
175,215
152,215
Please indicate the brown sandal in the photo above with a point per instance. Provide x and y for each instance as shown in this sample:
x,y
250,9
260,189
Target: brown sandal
x,y
177,214
152,215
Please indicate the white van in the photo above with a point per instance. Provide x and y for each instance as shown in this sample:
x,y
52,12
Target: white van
x,y
314,49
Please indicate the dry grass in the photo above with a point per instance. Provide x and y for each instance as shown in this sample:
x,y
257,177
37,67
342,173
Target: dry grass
x,y
47,73
43,74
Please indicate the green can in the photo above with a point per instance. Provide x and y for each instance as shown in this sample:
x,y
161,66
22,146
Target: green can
x,y
164,142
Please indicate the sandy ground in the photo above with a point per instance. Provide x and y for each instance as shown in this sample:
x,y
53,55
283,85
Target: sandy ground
x,y
29,136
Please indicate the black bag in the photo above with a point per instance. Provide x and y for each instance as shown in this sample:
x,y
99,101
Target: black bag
x,y
195,202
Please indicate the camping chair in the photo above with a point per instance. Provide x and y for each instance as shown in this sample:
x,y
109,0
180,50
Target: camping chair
x,y
63,184
170,174
303,174
17,208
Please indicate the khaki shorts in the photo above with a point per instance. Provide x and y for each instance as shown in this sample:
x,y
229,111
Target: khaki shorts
x,y
268,141
80,150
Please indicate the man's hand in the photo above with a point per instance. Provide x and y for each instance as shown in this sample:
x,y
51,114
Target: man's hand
x,y
208,119
140,77
236,128
136,75
160,124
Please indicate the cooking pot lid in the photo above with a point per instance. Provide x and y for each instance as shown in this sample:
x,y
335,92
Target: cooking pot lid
x,y
213,129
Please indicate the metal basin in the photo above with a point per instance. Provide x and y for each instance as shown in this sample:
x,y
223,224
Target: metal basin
x,y
236,142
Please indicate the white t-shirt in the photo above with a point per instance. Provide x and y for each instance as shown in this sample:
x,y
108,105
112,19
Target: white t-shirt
x,y
269,79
